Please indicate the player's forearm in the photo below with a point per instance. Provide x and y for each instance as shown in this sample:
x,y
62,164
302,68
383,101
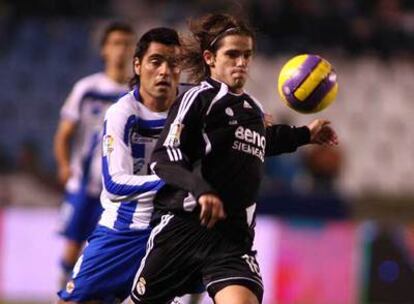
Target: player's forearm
x,y
178,176
62,142
62,150
284,138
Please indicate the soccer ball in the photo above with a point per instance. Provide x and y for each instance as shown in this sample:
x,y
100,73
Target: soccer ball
x,y
307,83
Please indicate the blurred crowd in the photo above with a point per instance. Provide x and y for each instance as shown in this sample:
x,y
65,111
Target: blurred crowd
x,y
58,41
383,27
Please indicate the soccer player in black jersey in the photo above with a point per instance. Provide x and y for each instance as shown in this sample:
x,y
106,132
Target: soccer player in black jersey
x,y
211,154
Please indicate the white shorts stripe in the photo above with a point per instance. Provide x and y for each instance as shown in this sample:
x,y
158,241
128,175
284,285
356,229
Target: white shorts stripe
x,y
235,278
165,219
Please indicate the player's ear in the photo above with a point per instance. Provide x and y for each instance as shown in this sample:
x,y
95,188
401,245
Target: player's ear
x,y
209,58
137,66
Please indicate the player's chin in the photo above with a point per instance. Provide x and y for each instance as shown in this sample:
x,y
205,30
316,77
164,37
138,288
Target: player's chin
x,y
238,82
163,92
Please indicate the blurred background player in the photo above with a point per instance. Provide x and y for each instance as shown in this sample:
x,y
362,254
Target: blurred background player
x,y
77,139
210,155
105,272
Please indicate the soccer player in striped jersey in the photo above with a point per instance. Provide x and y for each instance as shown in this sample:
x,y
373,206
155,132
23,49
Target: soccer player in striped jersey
x,y
105,271
77,139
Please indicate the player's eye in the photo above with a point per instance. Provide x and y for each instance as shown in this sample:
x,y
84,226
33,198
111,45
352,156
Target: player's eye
x,y
156,61
173,64
247,55
233,54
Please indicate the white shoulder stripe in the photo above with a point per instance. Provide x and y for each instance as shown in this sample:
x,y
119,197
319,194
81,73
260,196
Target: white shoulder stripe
x,y
175,154
223,91
172,139
170,156
257,103
180,155
187,95
188,100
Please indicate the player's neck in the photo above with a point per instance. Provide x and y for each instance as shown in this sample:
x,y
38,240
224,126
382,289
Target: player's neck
x,y
119,75
155,104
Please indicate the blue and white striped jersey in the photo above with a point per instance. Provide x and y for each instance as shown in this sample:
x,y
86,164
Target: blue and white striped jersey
x,y
86,105
130,133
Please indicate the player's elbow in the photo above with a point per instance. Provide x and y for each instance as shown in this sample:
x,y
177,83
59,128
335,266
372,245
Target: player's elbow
x,y
115,191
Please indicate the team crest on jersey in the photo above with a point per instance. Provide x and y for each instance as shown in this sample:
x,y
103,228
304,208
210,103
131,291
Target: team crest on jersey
x,y
108,145
229,112
173,138
141,286
70,286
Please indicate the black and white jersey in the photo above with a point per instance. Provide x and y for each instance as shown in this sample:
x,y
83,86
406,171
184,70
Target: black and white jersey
x,y
215,142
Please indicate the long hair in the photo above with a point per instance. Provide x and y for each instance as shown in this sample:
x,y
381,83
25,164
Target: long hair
x,y
161,35
206,34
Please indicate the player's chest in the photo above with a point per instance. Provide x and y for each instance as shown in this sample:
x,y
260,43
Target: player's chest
x,y
231,114
142,143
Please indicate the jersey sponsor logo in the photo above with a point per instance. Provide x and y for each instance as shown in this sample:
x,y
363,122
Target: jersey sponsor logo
x,y
251,137
141,286
249,141
138,165
134,138
108,145
137,138
70,286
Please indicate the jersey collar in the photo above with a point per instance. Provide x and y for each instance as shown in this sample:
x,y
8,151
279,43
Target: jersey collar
x,y
217,84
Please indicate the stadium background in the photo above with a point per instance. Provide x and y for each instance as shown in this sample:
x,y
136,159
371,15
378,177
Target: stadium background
x,y
335,226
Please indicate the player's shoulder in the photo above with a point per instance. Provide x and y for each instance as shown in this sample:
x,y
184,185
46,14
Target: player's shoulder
x,y
123,106
255,101
189,91
184,87
90,80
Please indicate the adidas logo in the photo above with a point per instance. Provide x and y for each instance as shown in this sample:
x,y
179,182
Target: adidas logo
x,y
246,105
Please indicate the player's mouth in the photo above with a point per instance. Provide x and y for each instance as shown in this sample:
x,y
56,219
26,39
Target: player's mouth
x,y
163,83
240,72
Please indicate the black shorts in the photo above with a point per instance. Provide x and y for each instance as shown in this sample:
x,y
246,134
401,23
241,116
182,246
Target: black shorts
x,y
180,252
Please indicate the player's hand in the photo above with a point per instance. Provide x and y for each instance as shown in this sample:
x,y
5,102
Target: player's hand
x,y
211,209
322,133
268,120
63,174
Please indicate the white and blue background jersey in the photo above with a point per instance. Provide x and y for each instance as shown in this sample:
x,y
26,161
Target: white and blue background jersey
x,y
130,133
86,106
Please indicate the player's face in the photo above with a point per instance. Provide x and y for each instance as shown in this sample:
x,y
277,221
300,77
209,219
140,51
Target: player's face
x,y
159,71
118,49
231,62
